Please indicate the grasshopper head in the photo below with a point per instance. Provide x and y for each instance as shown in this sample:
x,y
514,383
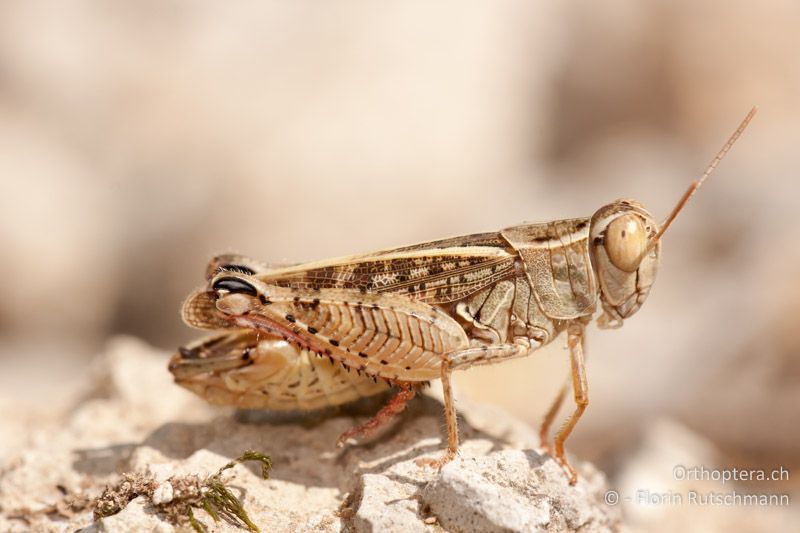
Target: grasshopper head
x,y
624,257
625,244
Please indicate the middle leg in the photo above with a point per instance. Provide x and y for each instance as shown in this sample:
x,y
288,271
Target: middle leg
x,y
479,355
544,429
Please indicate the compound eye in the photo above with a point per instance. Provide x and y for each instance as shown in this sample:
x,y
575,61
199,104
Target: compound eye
x,y
625,242
234,285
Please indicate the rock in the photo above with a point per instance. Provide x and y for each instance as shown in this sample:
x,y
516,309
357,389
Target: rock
x,y
163,493
519,491
138,515
387,505
164,437
463,500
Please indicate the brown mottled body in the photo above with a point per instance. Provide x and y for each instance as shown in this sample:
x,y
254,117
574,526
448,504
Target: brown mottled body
x,y
415,313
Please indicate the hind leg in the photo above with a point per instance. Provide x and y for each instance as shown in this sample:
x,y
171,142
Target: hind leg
x,y
395,406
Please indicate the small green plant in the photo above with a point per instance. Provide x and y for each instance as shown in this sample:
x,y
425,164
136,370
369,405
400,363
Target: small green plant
x,y
219,500
189,493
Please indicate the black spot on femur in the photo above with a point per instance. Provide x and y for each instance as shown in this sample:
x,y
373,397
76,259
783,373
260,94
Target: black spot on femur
x,y
291,318
235,285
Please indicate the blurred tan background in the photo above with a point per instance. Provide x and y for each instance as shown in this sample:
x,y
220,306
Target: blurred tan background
x,y
137,139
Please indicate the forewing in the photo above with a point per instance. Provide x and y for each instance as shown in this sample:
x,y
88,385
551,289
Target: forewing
x,y
435,272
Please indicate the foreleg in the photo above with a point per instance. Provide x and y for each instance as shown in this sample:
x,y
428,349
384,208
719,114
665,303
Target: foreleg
x,y
580,389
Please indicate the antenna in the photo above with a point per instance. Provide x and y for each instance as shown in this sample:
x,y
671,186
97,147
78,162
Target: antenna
x,y
696,185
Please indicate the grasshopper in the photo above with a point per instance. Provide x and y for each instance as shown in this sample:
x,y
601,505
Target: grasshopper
x,y
409,315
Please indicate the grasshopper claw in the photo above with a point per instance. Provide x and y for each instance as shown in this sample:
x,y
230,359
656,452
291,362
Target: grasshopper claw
x,y
437,464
